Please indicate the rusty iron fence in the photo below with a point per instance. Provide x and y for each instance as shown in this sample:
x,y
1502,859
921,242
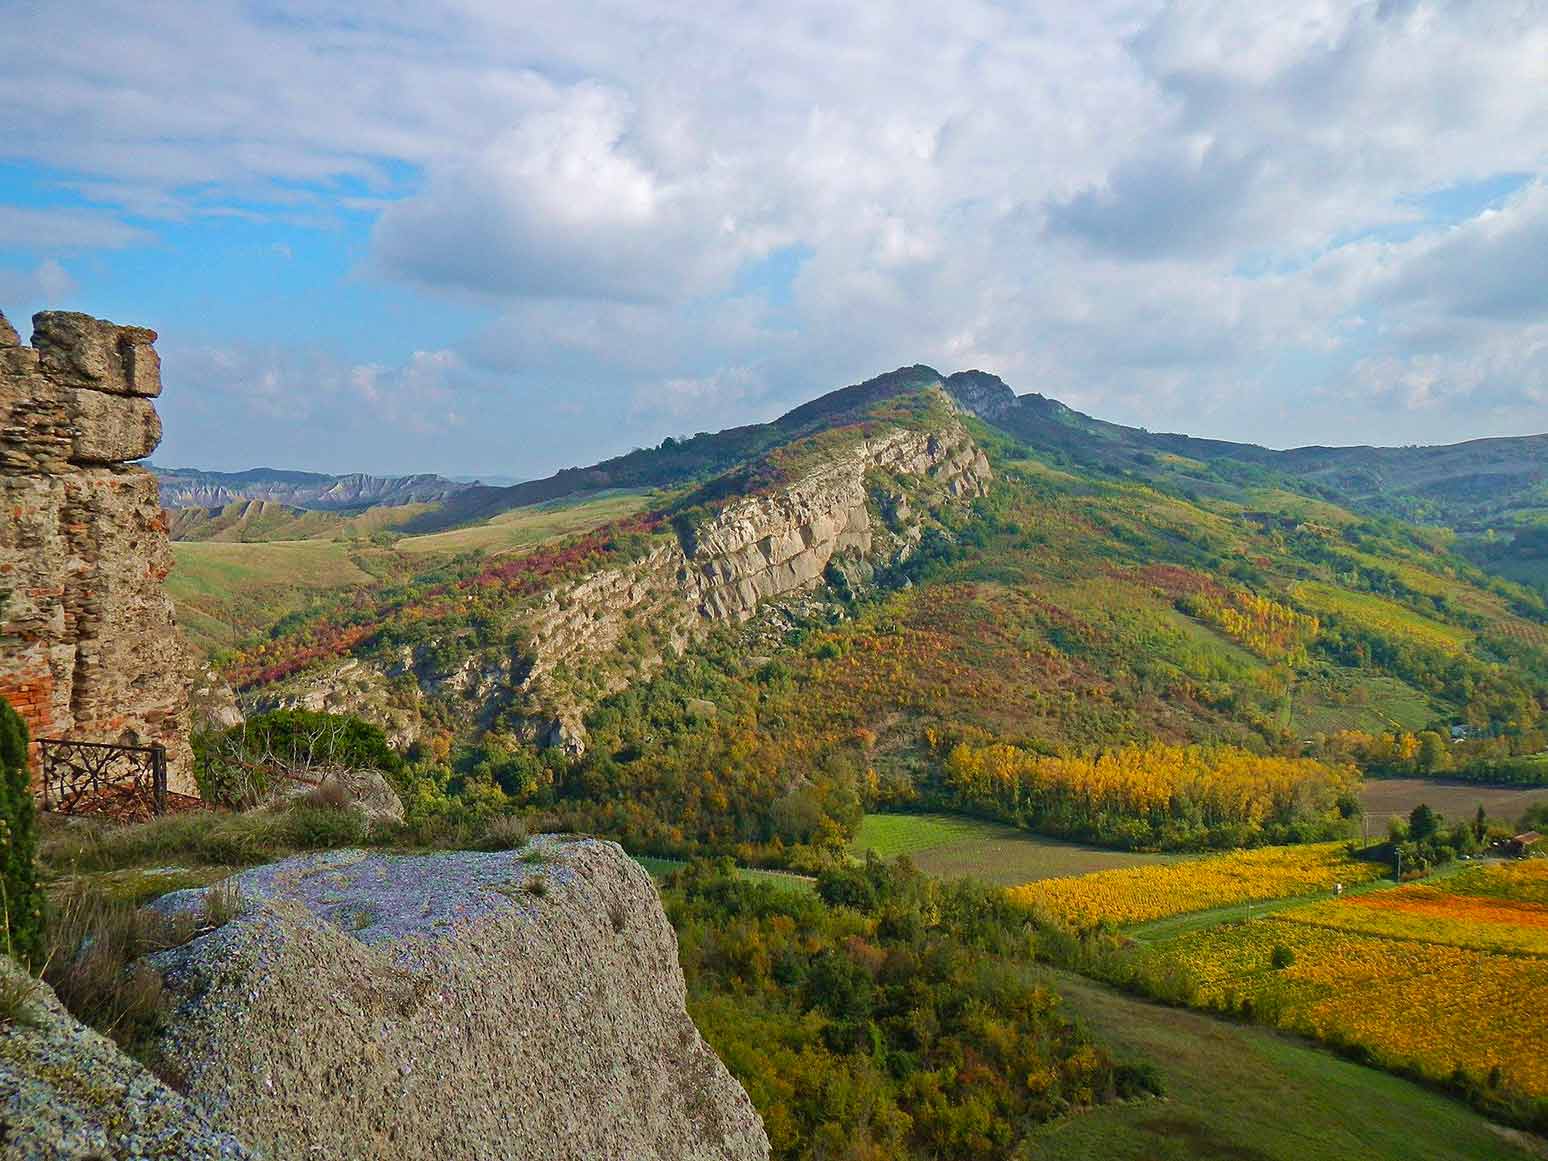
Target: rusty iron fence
x,y
103,778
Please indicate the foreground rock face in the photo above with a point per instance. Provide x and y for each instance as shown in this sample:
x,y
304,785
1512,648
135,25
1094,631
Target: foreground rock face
x,y
88,644
371,1006
67,1094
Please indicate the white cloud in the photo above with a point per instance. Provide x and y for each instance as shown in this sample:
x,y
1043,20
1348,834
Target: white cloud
x,y
24,228
1187,215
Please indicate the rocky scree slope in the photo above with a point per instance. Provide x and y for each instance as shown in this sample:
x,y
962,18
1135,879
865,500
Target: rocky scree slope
x,y
458,1005
88,642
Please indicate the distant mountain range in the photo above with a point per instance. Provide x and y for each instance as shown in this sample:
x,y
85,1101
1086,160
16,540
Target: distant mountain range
x,y
315,491
1481,487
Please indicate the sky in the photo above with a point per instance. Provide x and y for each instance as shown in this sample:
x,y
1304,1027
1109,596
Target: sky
x,y
503,237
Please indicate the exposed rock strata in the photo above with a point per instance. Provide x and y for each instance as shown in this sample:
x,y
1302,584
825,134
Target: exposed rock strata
x,y
372,1007
866,504
756,548
88,644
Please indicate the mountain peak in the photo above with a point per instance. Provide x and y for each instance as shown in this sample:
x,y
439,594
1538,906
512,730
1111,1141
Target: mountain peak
x,y
986,396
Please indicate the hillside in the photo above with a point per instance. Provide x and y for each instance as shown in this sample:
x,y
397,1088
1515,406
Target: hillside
x,y
1469,484
896,579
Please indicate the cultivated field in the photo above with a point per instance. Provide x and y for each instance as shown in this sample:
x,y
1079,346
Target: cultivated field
x,y
1384,797
1141,894
1414,1003
1439,978
952,847
1239,1093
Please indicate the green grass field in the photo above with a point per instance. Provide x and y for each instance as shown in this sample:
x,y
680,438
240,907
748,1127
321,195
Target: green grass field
x,y
226,590
1238,1093
660,868
1327,702
953,846
526,527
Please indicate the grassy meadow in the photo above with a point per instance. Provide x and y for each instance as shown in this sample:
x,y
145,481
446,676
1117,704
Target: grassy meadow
x,y
227,590
953,847
528,527
1235,1092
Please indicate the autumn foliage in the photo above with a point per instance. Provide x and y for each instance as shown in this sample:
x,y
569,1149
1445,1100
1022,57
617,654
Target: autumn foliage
x,y
1154,795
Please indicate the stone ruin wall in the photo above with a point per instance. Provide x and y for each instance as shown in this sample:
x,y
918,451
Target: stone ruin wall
x,y
88,640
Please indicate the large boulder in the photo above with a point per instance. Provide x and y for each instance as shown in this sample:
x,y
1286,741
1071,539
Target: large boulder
x,y
458,1005
68,1094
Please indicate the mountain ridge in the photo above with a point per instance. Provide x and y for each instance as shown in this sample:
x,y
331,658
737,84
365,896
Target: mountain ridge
x,y
314,491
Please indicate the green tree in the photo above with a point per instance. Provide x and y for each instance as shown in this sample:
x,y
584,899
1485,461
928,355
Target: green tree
x,y
20,897
1423,823
1432,752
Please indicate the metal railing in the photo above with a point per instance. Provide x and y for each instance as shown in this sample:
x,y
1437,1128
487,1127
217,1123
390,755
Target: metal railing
x,y
101,777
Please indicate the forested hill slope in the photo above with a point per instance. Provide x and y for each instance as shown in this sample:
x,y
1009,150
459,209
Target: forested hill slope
x,y
1471,485
903,601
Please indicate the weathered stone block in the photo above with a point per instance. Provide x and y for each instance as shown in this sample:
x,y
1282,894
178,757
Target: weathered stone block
x,y
111,429
91,649
82,351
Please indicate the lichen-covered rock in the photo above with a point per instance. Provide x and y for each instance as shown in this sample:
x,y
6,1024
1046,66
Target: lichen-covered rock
x,y
69,1094
458,1005
91,646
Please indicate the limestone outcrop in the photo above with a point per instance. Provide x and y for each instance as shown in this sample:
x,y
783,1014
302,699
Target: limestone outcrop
x,y
754,549
458,1005
68,1094
88,644
856,506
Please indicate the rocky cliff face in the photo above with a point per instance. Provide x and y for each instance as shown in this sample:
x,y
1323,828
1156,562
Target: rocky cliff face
x,y
460,1005
195,488
864,504
88,644
755,549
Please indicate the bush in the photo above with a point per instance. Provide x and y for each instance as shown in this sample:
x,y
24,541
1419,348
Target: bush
x,y
1281,957
236,767
21,919
95,944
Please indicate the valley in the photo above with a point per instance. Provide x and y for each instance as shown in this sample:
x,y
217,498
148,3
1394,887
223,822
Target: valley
x,y
907,706
774,582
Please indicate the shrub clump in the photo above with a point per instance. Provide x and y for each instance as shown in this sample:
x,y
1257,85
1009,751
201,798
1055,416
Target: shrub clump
x,y
21,900
240,766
